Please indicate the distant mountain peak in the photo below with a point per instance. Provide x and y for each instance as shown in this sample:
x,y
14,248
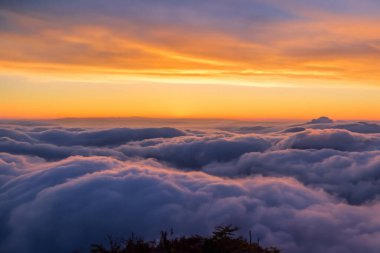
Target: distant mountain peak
x,y
321,120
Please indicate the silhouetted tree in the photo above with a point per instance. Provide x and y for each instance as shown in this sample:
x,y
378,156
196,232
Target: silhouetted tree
x,y
223,240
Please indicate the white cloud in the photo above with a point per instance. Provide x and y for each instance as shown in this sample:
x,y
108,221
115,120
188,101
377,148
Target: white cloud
x,y
313,190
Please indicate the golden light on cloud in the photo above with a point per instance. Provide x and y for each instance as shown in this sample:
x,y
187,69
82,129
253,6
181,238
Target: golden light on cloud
x,y
314,53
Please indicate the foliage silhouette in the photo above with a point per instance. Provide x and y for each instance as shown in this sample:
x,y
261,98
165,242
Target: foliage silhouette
x,y
223,240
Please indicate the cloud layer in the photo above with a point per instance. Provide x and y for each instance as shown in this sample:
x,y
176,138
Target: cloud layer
x,y
315,189
269,38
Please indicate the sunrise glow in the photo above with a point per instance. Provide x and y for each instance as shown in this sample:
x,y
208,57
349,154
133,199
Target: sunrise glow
x,y
195,59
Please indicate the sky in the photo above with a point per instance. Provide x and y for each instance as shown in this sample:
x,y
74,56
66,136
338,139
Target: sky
x,y
243,59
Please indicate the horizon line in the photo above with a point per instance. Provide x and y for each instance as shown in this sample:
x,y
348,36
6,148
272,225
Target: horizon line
x,y
174,118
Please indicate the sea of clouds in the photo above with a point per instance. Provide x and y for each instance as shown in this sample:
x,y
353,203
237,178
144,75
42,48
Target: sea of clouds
x,y
310,187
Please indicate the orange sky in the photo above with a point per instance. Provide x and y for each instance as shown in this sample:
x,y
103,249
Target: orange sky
x,y
190,60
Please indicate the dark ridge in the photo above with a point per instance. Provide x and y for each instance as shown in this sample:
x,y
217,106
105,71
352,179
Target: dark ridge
x,y
222,240
321,120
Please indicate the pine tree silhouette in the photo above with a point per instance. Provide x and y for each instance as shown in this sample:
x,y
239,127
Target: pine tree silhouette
x,y
223,240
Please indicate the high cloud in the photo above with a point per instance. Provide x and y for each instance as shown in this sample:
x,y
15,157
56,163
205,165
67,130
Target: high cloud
x,y
313,188
269,38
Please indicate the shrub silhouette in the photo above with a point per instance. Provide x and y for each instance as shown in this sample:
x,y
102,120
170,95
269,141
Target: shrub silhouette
x,y
223,240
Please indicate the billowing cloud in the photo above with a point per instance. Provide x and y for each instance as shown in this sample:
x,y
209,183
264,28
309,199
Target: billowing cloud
x,y
77,201
53,143
330,139
302,190
197,152
107,137
352,176
360,127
